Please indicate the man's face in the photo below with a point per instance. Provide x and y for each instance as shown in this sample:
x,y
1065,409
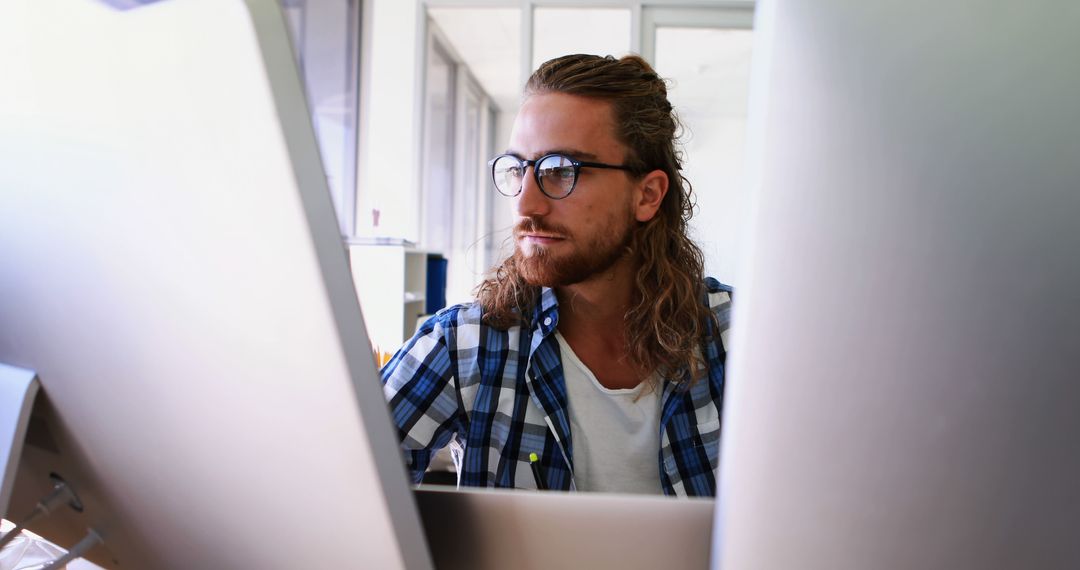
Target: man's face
x,y
567,241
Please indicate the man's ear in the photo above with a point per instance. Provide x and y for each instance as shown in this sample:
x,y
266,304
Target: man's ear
x,y
648,195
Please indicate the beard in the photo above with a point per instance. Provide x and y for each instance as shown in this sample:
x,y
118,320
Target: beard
x,y
597,253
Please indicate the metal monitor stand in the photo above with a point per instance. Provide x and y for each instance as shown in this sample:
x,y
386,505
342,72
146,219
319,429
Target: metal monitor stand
x,y
18,389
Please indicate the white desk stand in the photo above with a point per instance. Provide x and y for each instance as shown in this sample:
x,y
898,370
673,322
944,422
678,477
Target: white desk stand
x,y
18,387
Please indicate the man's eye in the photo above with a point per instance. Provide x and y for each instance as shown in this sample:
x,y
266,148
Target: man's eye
x,y
565,172
562,172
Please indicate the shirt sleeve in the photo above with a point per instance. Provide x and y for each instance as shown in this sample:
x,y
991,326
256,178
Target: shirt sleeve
x,y
420,386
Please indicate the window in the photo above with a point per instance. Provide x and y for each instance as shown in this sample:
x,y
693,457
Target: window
x,y
560,31
706,54
325,37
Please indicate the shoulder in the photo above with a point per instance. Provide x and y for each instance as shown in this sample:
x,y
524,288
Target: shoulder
x,y
453,317
461,327
719,299
433,348
436,335
720,294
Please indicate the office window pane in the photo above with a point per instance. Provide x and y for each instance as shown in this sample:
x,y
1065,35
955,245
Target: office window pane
x,y
561,31
326,41
711,72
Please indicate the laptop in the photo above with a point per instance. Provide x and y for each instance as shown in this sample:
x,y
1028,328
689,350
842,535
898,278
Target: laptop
x,y
539,530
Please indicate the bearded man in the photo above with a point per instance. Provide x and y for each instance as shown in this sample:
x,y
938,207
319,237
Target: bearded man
x,y
592,358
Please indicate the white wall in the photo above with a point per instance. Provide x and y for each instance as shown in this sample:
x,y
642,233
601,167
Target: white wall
x,y
503,211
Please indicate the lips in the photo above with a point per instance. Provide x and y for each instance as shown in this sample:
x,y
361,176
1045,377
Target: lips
x,y
534,231
538,240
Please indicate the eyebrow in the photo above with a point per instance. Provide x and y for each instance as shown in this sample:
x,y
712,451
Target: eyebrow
x,y
577,154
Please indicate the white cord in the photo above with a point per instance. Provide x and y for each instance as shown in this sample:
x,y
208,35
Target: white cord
x,y
61,494
89,541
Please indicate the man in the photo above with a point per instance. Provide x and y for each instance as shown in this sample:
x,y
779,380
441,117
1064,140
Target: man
x,y
596,345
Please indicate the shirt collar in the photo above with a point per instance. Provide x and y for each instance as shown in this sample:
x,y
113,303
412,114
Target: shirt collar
x,y
546,315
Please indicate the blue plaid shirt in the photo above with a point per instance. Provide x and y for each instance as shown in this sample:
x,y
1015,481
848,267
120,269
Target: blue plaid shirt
x,y
496,396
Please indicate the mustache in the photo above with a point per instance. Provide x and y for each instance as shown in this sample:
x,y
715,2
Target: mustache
x,y
535,225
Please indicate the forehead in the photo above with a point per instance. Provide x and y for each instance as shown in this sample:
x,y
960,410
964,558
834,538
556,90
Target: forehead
x,y
549,122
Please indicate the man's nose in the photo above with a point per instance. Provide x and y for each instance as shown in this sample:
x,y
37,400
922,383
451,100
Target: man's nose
x,y
531,201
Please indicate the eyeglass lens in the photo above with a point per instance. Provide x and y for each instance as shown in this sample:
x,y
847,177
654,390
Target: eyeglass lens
x,y
556,174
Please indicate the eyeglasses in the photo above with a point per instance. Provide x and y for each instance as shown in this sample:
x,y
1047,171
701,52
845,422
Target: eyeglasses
x,y
555,174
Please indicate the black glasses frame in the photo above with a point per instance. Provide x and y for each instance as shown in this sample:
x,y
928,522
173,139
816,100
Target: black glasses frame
x,y
524,164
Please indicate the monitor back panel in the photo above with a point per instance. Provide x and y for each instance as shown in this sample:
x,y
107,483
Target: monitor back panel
x,y
903,389
172,271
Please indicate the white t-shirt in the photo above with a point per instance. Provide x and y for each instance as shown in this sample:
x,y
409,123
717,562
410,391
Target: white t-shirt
x,y
615,433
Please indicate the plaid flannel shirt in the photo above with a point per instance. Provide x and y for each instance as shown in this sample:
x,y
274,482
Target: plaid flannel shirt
x,y
496,396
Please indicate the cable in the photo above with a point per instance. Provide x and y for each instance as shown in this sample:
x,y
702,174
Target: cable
x,y
89,541
61,494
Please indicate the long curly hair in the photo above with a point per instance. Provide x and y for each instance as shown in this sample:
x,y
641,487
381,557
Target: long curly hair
x,y
668,318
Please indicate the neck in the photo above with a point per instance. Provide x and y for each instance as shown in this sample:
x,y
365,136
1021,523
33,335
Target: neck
x,y
598,305
592,319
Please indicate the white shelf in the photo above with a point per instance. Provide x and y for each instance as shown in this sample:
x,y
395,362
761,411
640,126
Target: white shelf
x,y
391,283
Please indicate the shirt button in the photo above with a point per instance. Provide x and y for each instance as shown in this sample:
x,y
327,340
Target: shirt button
x,y
547,322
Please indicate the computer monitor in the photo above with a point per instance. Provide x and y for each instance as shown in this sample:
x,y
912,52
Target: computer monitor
x,y
903,385
173,272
